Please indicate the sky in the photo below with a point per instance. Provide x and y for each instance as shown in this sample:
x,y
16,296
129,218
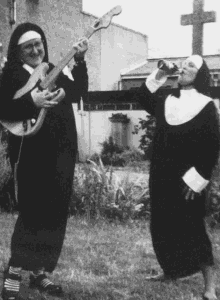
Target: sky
x,y
160,21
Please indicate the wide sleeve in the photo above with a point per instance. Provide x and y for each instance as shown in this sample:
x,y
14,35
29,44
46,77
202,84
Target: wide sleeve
x,y
206,156
19,109
78,86
147,94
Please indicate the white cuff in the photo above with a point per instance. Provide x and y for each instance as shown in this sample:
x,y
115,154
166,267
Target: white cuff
x,y
67,72
153,84
194,180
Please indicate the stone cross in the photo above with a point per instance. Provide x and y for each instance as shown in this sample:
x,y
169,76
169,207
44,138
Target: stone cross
x,y
197,19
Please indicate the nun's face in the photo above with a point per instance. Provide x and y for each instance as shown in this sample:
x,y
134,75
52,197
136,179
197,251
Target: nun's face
x,y
32,52
188,73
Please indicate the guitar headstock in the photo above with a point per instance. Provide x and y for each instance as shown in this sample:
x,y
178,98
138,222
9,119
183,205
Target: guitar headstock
x,y
105,20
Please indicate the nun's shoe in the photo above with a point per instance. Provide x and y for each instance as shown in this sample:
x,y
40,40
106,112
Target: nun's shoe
x,y
159,277
43,284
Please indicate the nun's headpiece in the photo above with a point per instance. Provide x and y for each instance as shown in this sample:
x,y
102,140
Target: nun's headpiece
x,y
28,36
22,33
202,80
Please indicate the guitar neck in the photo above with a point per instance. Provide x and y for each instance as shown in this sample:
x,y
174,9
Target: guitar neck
x,y
52,76
99,23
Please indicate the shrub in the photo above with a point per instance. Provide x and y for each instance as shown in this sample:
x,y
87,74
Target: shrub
x,y
110,153
115,155
110,147
6,202
213,197
131,156
4,162
100,193
148,126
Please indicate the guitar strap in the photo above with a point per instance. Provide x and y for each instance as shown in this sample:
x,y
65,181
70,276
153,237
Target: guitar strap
x,y
16,170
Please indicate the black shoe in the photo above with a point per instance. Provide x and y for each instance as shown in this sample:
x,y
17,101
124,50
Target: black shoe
x,y
43,284
8,294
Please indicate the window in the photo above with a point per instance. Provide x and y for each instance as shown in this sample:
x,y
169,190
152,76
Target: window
x,y
215,79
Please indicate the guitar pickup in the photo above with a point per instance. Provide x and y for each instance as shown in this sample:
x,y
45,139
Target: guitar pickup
x,y
24,123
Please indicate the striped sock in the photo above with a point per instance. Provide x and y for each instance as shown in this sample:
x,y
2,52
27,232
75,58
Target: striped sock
x,y
12,282
14,270
45,282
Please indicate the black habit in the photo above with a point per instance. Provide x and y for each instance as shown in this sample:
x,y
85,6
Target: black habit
x,y
177,226
45,170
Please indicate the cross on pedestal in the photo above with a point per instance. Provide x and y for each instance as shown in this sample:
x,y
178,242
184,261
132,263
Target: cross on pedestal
x,y
197,19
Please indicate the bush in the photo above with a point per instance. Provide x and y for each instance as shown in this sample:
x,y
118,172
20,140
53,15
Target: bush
x,y
110,147
213,197
4,161
115,155
6,202
148,125
99,193
110,153
131,156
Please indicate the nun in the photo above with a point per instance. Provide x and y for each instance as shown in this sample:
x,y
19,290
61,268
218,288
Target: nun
x,y
46,160
185,151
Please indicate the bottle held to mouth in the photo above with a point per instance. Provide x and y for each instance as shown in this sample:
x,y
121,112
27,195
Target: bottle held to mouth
x,y
168,67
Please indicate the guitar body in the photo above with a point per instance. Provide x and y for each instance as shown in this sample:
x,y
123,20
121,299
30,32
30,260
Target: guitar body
x,y
30,127
38,74
47,81
27,128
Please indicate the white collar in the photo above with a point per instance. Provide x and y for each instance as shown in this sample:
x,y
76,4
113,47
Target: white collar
x,y
28,68
186,107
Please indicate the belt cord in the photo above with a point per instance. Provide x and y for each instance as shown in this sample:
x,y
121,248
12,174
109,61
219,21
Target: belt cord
x,y
16,170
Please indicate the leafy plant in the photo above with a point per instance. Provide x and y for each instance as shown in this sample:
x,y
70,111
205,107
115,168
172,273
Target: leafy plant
x,y
6,202
110,147
119,117
213,197
115,155
100,193
148,126
131,156
110,153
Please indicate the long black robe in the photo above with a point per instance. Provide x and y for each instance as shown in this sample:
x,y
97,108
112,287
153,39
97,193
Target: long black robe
x,y
45,170
177,226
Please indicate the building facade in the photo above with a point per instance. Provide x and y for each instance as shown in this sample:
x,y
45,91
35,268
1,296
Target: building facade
x,y
111,50
135,76
64,22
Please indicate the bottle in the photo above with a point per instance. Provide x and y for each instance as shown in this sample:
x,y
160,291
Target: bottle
x,y
167,66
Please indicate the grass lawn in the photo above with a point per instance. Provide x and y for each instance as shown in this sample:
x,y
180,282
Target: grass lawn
x,y
102,260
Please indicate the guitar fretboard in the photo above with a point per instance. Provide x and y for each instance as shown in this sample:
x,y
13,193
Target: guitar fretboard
x,y
52,76
99,23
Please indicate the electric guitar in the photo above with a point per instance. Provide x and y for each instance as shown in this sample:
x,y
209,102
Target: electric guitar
x,y
47,81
